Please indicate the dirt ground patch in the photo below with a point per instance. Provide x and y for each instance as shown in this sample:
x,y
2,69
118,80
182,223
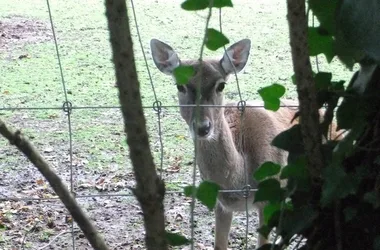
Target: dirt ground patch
x,y
18,31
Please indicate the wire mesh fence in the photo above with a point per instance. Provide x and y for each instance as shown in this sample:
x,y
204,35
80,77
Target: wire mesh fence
x,y
158,109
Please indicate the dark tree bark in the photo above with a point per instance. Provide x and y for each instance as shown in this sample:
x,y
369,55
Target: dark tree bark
x,y
56,183
306,90
150,189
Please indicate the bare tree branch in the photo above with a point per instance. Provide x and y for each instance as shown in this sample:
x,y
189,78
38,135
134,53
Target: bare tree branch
x,y
17,139
150,189
309,116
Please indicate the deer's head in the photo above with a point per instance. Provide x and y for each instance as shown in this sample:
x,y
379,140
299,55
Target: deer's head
x,y
212,74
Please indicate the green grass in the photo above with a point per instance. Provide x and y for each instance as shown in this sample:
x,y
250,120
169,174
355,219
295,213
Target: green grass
x,y
85,54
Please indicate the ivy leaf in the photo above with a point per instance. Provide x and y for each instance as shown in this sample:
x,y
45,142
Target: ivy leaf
x,y
320,44
297,175
346,146
338,184
189,190
291,141
271,96
183,74
195,4
222,3
349,112
264,230
270,209
296,169
324,10
266,169
207,194
175,239
203,4
295,221
269,190
215,39
323,80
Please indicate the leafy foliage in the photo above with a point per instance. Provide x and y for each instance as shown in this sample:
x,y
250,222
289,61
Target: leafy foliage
x,y
193,5
269,190
345,190
271,96
206,193
215,39
183,74
267,169
320,43
175,239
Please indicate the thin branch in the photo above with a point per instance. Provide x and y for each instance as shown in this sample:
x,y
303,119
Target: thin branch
x,y
26,234
54,238
17,139
150,189
305,86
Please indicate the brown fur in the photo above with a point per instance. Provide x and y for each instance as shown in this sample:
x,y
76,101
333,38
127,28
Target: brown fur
x,y
236,144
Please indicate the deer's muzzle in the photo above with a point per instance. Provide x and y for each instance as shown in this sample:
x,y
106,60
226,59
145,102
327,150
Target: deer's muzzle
x,y
202,128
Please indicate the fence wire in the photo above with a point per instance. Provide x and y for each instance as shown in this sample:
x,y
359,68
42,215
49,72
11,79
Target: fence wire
x,y
157,107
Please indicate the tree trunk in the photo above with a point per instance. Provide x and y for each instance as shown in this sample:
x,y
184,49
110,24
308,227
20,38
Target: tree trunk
x,y
150,189
306,90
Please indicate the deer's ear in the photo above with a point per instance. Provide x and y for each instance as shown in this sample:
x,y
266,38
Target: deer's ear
x,y
165,58
236,56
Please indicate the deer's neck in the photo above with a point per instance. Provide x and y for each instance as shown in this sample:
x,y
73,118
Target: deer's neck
x,y
219,159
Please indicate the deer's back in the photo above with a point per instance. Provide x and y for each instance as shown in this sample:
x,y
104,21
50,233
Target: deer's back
x,y
256,128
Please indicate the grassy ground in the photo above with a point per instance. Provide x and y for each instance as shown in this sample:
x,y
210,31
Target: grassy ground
x,y
30,78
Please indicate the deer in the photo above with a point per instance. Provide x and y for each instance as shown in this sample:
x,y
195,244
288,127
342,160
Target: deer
x,y
222,157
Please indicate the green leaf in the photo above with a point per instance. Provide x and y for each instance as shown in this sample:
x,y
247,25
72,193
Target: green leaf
x,y
203,4
320,44
215,39
297,175
207,194
270,209
222,3
266,169
271,96
338,184
195,4
175,239
349,112
269,190
264,230
349,213
345,52
323,80
324,10
297,220
190,190
291,141
296,169
345,146
183,74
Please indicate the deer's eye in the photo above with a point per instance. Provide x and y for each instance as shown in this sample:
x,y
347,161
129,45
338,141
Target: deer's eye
x,y
220,87
181,88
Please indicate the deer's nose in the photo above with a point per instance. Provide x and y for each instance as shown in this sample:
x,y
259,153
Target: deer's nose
x,y
202,128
